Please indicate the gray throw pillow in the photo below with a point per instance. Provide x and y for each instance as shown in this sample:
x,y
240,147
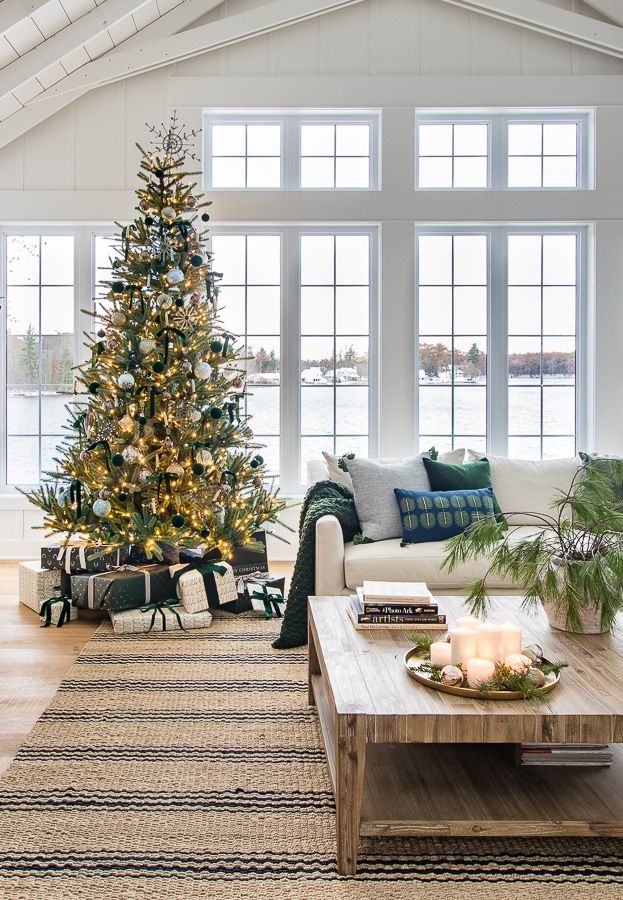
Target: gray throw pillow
x,y
375,502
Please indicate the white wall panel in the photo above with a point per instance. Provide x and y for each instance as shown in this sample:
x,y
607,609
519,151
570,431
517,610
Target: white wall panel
x,y
297,49
395,39
495,47
100,139
49,159
445,39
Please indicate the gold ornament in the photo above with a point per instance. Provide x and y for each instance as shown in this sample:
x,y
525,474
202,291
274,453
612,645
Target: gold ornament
x,y
175,469
126,423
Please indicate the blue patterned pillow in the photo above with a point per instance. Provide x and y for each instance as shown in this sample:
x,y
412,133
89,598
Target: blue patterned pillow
x,y
437,515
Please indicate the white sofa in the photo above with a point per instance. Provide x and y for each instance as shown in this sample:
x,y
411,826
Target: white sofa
x,y
521,486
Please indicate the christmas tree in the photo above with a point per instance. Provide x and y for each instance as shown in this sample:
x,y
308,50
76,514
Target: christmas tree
x,y
161,451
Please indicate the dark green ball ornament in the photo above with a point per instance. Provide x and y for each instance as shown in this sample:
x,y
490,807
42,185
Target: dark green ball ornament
x,y
196,260
216,346
178,520
254,464
198,468
259,458
158,367
204,532
117,287
93,387
142,420
122,497
149,221
179,302
216,413
205,217
158,173
101,333
117,459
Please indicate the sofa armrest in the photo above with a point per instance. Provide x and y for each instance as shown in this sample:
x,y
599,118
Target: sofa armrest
x,y
330,580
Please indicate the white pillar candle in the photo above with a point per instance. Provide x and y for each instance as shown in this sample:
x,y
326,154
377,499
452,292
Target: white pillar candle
x,y
512,639
490,642
467,622
479,670
518,662
463,643
440,654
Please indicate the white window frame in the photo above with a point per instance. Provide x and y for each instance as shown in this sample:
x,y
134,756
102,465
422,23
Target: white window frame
x,y
497,156
497,326
291,143
84,284
290,480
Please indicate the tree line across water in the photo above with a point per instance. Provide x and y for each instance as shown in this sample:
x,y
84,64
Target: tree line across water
x,y
438,357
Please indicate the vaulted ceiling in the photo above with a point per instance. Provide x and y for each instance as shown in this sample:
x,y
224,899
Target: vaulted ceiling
x,y
53,51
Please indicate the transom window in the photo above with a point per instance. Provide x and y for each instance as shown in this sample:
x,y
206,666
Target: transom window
x,y
319,151
497,313
501,151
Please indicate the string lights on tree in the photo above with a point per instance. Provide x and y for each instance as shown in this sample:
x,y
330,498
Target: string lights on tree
x,y
161,452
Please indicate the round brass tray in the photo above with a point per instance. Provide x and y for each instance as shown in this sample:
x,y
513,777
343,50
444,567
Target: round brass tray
x,y
413,662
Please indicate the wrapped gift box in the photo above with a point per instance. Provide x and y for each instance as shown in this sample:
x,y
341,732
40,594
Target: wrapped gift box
x,y
82,557
125,588
37,584
190,589
266,598
218,581
134,621
243,601
250,559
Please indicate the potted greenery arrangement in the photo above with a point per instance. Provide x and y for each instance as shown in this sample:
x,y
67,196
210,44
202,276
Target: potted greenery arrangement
x,y
573,566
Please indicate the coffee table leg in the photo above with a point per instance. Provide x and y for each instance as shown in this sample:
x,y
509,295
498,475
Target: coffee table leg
x,y
350,767
313,663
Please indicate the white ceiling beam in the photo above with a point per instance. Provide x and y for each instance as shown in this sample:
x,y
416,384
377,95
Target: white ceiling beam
x,y
213,36
611,8
179,17
13,11
64,41
551,21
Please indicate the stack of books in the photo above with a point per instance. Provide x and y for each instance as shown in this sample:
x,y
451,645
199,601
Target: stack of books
x,y
396,604
565,755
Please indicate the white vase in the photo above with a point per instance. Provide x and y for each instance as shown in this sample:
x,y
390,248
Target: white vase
x,y
590,619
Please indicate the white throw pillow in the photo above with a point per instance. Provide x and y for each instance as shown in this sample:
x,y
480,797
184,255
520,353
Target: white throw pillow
x,y
523,486
341,477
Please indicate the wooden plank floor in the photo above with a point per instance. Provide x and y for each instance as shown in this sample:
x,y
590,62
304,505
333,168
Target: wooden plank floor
x,y
34,660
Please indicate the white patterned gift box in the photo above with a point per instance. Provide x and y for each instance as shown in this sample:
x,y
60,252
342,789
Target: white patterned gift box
x,y
162,618
36,585
265,598
218,585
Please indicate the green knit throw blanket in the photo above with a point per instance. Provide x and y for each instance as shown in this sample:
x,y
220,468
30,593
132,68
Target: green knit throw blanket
x,y
325,498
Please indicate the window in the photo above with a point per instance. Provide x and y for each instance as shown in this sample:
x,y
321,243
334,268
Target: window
x,y
313,355
332,151
245,155
501,151
499,338
39,275
250,307
453,154
334,358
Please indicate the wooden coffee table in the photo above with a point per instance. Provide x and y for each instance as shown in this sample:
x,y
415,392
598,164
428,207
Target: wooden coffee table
x,y
378,726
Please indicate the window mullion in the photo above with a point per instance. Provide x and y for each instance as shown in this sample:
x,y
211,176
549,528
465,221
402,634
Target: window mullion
x,y
290,362
497,355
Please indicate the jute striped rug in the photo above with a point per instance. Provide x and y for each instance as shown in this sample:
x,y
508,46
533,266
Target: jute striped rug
x,y
189,766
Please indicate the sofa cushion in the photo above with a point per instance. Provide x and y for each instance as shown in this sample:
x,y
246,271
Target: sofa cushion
x,y
388,561
439,515
374,485
524,486
445,476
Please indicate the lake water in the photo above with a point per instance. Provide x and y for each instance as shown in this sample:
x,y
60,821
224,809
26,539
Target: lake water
x,y
349,414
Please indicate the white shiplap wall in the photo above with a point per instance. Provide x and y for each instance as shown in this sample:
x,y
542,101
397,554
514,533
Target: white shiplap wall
x,y
80,165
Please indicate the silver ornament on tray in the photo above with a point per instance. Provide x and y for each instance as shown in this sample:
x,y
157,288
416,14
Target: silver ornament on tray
x,y
536,677
534,653
452,675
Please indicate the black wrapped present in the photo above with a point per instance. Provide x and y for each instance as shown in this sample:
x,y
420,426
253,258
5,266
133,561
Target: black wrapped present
x,y
83,557
126,588
251,558
266,599
244,602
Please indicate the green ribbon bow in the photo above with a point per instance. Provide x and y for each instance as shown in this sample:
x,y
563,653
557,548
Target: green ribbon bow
x,y
159,477
167,332
106,446
159,607
271,601
202,566
46,610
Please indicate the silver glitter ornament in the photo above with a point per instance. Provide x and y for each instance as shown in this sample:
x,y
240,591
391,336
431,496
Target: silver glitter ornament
x,y
118,318
186,366
147,345
104,494
452,675
164,300
175,469
126,381
203,370
175,276
130,454
168,212
101,508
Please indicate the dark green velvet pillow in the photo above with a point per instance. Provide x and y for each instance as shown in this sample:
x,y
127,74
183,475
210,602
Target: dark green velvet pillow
x,y
461,477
